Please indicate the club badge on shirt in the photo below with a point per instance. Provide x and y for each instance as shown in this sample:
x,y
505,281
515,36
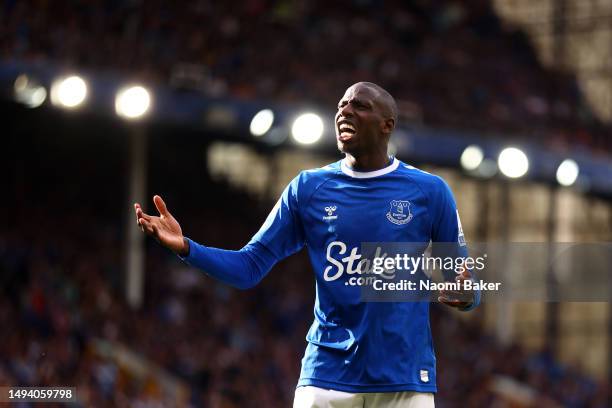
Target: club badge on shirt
x,y
399,213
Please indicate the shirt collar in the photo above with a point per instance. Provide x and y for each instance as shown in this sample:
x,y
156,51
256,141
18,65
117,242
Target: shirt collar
x,y
368,174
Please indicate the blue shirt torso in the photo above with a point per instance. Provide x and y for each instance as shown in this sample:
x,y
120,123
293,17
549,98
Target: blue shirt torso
x,y
353,345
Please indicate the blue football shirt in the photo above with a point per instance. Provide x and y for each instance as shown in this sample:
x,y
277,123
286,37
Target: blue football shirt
x,y
353,346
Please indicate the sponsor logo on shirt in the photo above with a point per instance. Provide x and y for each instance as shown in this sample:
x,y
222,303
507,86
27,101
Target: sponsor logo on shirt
x,y
352,263
399,213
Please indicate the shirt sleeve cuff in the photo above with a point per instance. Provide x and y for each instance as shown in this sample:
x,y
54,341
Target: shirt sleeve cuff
x,y
187,258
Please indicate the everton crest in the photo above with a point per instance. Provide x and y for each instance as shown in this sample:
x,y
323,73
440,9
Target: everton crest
x,y
399,213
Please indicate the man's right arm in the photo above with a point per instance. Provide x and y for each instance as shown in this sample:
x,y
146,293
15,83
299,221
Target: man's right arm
x,y
242,269
280,236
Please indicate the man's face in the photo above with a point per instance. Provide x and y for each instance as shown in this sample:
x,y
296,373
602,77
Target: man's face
x,y
360,121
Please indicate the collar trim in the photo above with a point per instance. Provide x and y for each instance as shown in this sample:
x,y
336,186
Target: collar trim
x,y
368,174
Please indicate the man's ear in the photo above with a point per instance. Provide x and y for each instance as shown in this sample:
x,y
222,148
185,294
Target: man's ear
x,y
388,125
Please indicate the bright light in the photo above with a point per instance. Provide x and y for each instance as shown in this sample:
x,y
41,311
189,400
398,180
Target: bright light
x,y
471,157
567,172
132,102
513,162
29,92
262,122
307,128
69,92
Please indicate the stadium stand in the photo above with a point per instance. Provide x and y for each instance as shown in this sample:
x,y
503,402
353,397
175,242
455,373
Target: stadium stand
x,y
451,64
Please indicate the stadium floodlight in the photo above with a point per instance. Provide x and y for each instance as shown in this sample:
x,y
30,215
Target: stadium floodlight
x,y
567,172
513,163
132,102
262,122
69,92
471,157
29,92
307,128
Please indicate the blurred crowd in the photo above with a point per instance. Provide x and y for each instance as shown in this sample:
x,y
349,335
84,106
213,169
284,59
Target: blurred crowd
x,y
62,260
63,288
62,235
450,63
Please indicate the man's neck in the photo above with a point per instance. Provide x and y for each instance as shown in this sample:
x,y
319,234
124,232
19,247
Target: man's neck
x,y
367,162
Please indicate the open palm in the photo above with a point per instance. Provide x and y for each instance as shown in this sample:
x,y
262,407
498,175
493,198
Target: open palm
x,y
164,227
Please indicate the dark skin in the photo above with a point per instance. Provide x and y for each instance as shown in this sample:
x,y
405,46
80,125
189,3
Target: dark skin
x,y
459,299
164,228
373,120
365,119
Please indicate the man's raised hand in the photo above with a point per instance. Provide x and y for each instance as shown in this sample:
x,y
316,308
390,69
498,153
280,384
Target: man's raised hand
x,y
461,298
164,228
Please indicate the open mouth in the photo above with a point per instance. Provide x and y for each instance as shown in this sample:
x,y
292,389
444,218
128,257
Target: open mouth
x,y
346,130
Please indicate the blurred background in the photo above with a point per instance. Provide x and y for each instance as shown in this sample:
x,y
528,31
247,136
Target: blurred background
x,y
216,106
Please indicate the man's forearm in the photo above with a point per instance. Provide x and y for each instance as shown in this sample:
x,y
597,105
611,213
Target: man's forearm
x,y
242,269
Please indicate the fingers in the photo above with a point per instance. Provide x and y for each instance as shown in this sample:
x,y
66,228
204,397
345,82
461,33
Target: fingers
x,y
451,294
452,302
136,210
465,274
140,214
458,297
147,227
160,205
446,300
